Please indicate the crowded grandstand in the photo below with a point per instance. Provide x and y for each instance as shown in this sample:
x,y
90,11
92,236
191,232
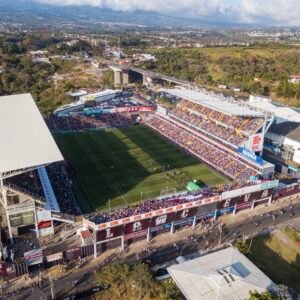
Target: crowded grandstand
x,y
222,138
37,188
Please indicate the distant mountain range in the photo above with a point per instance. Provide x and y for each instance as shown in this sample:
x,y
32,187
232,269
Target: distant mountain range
x,y
34,13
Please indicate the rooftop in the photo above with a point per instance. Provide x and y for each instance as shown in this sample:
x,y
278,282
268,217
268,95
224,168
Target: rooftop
x,y
282,113
216,102
99,94
287,129
25,139
226,274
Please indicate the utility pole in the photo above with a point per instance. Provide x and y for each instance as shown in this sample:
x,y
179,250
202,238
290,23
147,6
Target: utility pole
x,y
51,286
220,232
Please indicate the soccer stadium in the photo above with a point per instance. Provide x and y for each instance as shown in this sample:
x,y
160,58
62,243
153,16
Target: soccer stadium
x,y
132,171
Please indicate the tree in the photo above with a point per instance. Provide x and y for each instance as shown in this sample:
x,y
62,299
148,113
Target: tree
x,y
133,282
115,275
242,246
255,295
170,291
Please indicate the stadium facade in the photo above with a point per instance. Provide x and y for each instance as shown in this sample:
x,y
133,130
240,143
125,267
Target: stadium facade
x,y
121,232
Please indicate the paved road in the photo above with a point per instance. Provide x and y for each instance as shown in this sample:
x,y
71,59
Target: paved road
x,y
190,247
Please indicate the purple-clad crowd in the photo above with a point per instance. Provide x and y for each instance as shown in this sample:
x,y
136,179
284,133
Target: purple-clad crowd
x,y
62,186
246,125
218,157
204,124
148,206
81,122
163,202
30,184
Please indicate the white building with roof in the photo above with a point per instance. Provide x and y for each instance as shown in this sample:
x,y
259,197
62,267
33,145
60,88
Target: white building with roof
x,y
282,140
100,96
223,275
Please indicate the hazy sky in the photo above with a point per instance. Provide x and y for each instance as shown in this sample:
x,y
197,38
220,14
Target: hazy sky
x,y
267,12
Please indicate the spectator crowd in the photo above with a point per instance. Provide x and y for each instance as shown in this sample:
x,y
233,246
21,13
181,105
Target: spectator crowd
x,y
246,125
207,126
218,157
79,122
30,184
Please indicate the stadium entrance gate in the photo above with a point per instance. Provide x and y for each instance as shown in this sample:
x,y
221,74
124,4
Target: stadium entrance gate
x,y
102,246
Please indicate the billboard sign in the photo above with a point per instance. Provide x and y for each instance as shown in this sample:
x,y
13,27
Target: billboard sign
x,y
20,208
184,222
136,226
269,184
241,191
22,219
45,225
154,213
110,233
134,109
161,227
54,257
43,215
186,213
225,211
256,142
163,219
34,257
135,235
73,253
249,154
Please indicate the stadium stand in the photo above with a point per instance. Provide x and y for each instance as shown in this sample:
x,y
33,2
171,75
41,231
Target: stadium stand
x,y
163,202
219,158
231,130
30,184
246,125
79,122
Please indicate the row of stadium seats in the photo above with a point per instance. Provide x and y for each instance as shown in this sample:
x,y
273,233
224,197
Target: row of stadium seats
x,y
227,134
30,184
146,206
160,203
224,161
83,122
246,125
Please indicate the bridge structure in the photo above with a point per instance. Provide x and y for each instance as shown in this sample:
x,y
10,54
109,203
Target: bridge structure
x,y
121,75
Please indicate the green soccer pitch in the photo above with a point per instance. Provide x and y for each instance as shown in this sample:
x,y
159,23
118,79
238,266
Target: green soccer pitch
x,y
116,167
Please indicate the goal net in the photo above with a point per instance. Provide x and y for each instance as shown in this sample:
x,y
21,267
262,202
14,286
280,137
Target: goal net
x,y
168,191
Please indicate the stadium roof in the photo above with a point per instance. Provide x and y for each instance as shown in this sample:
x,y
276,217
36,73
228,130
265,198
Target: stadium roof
x,y
215,102
93,96
282,113
290,130
226,274
25,139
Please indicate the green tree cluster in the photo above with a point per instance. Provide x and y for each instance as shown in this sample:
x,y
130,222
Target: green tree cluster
x,y
134,282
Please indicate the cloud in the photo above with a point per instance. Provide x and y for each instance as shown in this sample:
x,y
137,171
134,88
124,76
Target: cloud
x,y
266,12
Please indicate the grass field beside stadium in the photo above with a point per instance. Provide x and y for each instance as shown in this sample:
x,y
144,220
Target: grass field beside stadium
x,y
278,256
128,165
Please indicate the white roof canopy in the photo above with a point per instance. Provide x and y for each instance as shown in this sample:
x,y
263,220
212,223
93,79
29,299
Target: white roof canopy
x,y
26,141
215,102
223,275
